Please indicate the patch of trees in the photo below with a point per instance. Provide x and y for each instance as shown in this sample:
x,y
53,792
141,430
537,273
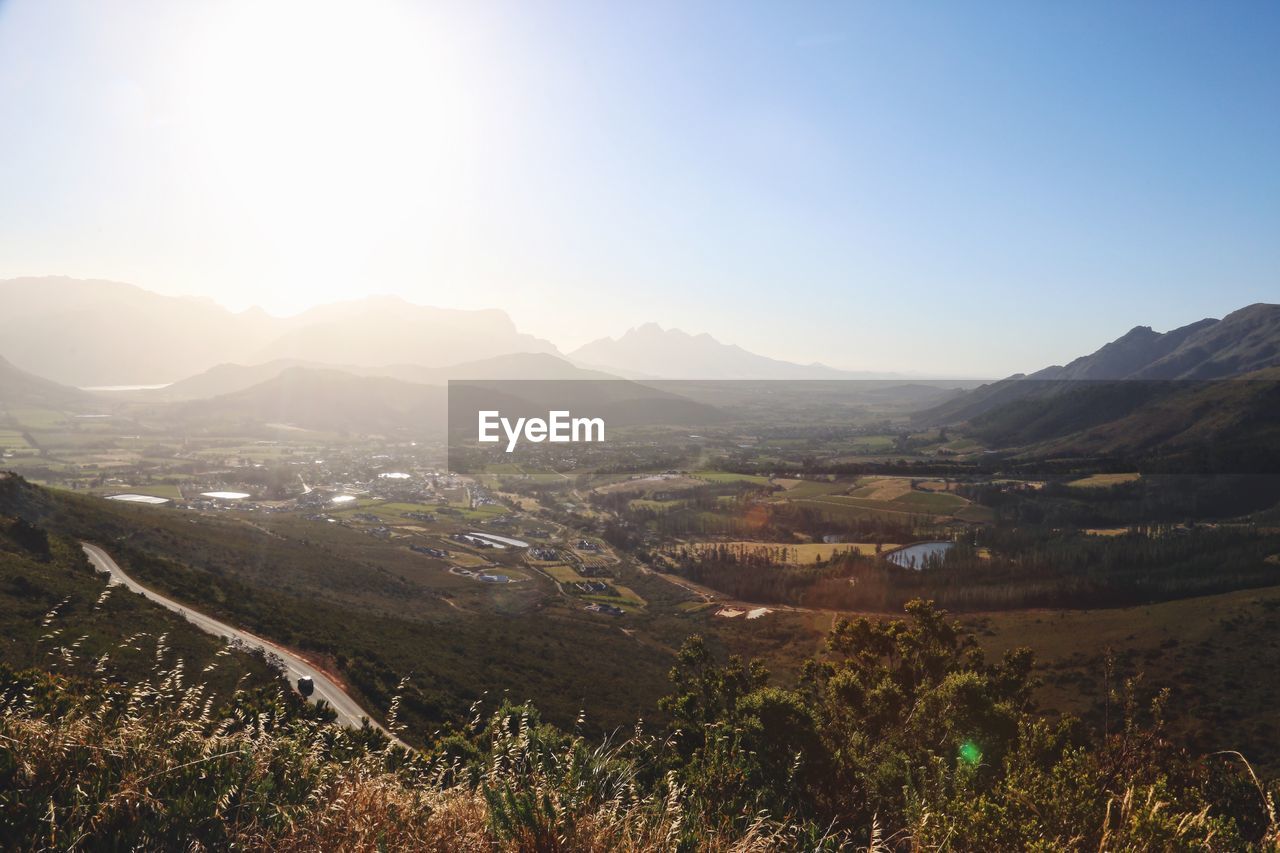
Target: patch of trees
x,y
1000,569
1153,499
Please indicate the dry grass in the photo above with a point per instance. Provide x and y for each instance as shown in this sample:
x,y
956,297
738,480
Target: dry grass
x,y
152,766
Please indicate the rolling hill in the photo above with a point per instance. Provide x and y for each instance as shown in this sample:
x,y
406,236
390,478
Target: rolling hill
x,y
20,388
521,366
324,399
225,379
230,378
333,400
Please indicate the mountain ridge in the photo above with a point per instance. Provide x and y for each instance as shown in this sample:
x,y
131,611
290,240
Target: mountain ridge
x,y
96,332
1243,341
675,354
1208,392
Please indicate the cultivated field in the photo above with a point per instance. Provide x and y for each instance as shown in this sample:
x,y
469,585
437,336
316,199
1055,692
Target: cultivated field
x,y
797,553
1102,481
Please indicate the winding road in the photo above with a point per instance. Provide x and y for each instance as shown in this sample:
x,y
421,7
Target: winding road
x,y
349,713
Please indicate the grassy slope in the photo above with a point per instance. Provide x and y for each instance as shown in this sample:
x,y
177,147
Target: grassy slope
x,y
1217,654
84,625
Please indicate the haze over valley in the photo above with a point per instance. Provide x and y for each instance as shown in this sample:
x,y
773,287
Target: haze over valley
x,y
639,427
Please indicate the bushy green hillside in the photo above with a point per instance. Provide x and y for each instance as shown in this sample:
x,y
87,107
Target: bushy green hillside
x,y
57,614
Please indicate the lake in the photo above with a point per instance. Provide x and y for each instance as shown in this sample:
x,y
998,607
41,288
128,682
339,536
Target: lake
x,y
914,556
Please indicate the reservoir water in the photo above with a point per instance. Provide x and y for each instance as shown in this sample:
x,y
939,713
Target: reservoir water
x,y
914,556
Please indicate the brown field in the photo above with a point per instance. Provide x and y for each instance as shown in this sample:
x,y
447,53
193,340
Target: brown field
x,y
798,554
655,483
1107,531
1102,481
882,488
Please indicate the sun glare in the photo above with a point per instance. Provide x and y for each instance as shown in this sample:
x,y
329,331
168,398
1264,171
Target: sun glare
x,y
337,131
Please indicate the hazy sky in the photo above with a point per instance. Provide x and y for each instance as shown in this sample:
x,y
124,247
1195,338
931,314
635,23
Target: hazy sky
x,y
941,187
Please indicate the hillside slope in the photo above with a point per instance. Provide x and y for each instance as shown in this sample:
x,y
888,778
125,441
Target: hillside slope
x,y
230,378
326,399
18,388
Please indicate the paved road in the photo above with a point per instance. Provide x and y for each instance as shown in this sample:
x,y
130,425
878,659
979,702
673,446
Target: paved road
x,y
349,713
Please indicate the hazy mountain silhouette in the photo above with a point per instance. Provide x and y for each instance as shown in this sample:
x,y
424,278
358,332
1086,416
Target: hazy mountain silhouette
x,y
651,351
388,330
87,333
20,388
93,332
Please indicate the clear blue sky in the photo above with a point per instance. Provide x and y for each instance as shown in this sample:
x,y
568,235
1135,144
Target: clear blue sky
x,y
938,187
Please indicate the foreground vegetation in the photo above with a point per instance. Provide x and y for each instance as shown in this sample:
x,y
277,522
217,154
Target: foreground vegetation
x,y
900,736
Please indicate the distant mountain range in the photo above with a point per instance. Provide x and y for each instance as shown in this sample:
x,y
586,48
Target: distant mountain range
x,y
1204,395
378,363
651,351
88,333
